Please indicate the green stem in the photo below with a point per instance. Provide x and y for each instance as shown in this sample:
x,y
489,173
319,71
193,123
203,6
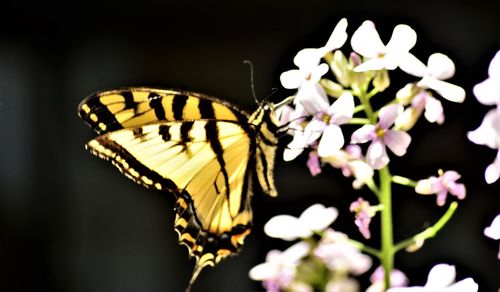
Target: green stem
x,y
365,102
387,255
403,181
369,250
430,231
358,121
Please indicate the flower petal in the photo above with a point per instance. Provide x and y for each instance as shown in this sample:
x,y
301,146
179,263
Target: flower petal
x,y
371,64
434,110
493,231
361,170
295,147
292,79
376,155
388,114
402,40
363,134
488,133
413,66
286,227
488,91
440,276
447,90
313,163
492,173
494,68
397,141
307,59
313,130
440,66
331,142
366,40
312,97
342,109
467,284
318,217
338,37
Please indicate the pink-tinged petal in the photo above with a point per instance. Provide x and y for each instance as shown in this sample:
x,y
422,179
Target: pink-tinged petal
x,y
441,197
295,252
493,231
286,227
292,79
371,64
450,175
366,40
440,66
363,134
342,109
494,68
313,163
313,130
338,37
331,142
402,40
307,59
376,155
434,110
284,114
413,66
488,91
388,114
317,217
488,133
312,97
397,141
447,90
354,151
441,276
363,224
458,191
467,284
492,173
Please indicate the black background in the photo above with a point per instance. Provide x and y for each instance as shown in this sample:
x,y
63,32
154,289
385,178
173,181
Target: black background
x,y
71,222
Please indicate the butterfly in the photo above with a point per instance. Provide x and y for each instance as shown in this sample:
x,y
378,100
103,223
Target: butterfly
x,y
205,151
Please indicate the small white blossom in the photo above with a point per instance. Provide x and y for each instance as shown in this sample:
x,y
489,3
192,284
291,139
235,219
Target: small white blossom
x,y
366,42
313,219
439,67
488,91
441,279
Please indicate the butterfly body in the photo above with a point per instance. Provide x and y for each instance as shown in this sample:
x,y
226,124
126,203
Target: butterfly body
x,y
205,151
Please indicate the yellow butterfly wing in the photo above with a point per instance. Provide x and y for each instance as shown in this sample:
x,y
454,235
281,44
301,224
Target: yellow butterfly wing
x,y
204,150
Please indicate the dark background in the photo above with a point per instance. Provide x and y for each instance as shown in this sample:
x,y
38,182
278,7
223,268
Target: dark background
x,y
71,222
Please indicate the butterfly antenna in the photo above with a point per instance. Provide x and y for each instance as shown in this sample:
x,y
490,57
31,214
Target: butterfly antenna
x,y
249,63
196,272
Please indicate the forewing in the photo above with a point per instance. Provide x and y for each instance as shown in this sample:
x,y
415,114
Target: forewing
x,y
112,110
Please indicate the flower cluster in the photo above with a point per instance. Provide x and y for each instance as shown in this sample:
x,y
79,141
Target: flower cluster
x,y
488,133
324,261
333,117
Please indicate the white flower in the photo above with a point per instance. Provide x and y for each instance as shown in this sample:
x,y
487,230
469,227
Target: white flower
x,y
325,124
493,231
488,133
313,219
488,91
441,279
308,60
280,267
339,255
381,136
366,42
439,67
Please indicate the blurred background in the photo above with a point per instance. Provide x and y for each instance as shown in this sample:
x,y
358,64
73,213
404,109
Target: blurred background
x,y
71,222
